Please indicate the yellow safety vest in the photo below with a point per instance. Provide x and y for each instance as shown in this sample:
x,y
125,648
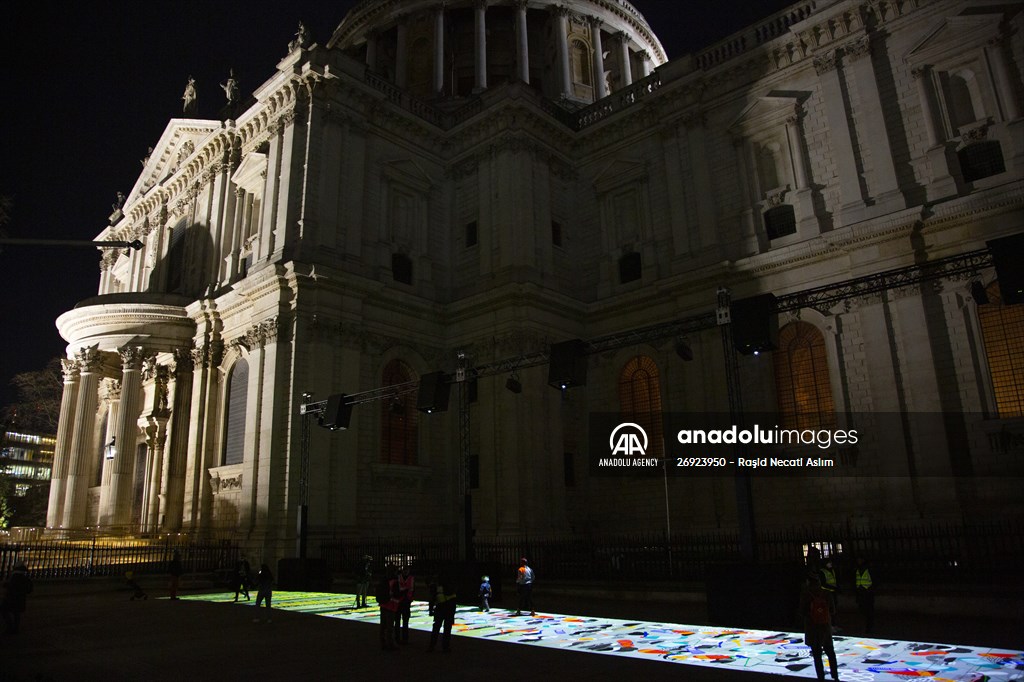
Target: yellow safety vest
x,y
829,581
863,578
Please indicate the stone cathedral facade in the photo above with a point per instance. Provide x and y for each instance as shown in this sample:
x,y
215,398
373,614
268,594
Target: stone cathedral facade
x,y
492,177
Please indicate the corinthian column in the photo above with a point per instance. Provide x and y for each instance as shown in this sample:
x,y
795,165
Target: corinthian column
x,y
439,49
172,494
122,467
627,68
62,450
562,30
82,439
600,86
523,53
480,41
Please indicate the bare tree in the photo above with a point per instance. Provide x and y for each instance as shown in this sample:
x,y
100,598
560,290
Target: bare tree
x,y
38,404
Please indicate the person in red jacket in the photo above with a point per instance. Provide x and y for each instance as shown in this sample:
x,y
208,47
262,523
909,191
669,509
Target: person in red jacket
x,y
406,589
817,610
388,599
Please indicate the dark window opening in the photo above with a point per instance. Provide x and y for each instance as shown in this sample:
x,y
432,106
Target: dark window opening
x,y
471,236
780,221
630,268
570,469
981,160
556,233
474,472
401,268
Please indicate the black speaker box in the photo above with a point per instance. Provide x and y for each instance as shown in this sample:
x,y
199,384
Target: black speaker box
x,y
568,366
433,395
338,412
1008,256
755,326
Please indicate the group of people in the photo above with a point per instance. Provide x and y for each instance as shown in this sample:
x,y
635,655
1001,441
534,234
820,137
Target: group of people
x,y
395,592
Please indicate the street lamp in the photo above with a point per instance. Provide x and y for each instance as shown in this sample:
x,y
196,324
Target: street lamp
x,y
109,450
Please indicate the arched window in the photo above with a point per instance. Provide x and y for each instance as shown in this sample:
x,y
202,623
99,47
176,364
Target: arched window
x,y
640,400
801,378
238,391
1002,330
398,419
580,63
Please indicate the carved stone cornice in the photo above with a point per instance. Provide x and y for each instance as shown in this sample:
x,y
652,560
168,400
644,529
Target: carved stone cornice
x,y
183,361
208,355
259,335
859,47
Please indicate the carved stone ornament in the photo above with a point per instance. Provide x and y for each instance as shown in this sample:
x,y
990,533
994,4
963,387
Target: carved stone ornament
x,y
88,359
860,47
826,62
131,357
183,360
974,132
776,197
69,368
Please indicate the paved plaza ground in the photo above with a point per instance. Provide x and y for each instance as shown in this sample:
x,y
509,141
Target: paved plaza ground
x,y
91,631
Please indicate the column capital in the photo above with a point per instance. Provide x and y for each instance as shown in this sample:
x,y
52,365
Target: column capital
x,y
595,22
88,359
826,62
520,5
480,4
69,368
623,37
859,47
561,11
131,357
920,72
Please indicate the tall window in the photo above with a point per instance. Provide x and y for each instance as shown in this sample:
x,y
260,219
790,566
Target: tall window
x,y
1002,329
398,418
238,391
640,400
801,378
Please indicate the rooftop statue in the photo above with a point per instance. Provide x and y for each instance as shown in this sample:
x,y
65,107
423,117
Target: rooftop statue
x,y
190,106
230,88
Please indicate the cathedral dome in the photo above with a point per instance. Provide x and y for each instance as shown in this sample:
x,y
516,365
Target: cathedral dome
x,y
577,50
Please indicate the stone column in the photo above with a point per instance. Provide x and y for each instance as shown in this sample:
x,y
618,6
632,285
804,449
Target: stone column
x,y
921,76
122,467
480,42
646,64
600,85
82,438
627,68
562,31
797,149
696,145
172,493
852,200
439,49
156,437
523,53
371,50
1004,86
402,53
234,248
885,188
62,449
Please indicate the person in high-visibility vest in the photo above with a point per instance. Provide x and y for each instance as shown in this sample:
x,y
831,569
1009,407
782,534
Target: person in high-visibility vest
x,y
830,585
865,591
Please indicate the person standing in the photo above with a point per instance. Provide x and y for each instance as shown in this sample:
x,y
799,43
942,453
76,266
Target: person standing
x,y
264,588
830,584
485,593
175,569
364,573
16,589
406,590
524,587
242,578
445,602
817,610
865,593
388,598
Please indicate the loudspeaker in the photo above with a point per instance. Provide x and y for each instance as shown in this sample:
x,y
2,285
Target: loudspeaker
x,y
568,366
337,413
1007,255
755,326
433,395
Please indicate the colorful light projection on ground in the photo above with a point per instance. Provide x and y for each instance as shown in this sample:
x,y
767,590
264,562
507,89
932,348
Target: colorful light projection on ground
x,y
781,653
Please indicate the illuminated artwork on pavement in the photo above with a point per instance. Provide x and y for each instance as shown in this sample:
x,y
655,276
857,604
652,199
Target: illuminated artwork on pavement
x,y
861,659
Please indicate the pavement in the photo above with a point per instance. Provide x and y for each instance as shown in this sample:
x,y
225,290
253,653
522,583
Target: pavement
x,y
90,630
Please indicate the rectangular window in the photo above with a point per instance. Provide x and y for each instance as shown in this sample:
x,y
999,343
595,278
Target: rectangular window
x,y
474,472
471,236
570,469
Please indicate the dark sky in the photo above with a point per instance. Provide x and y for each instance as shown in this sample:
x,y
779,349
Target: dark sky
x,y
88,87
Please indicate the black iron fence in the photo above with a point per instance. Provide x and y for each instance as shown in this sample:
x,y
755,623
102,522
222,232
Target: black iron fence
x,y
907,553
100,556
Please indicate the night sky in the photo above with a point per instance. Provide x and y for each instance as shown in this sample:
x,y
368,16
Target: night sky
x,y
88,87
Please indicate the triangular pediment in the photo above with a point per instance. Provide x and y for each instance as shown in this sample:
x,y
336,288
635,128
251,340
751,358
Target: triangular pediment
x,y
619,172
953,35
407,171
773,108
180,139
